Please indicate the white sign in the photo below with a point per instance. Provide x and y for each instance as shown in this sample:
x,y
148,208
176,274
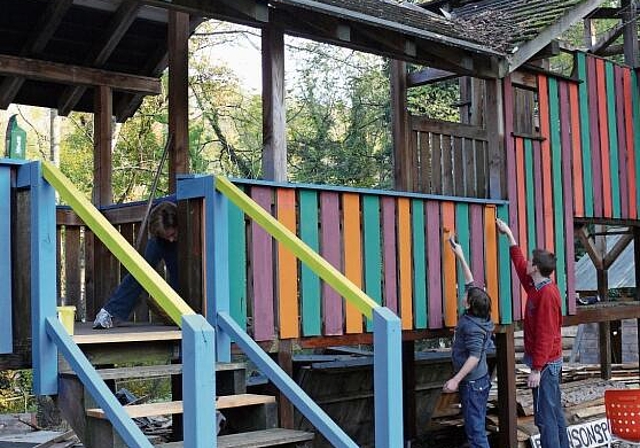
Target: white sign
x,y
586,435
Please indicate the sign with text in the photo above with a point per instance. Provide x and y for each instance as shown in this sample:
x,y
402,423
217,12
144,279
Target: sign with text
x,y
586,435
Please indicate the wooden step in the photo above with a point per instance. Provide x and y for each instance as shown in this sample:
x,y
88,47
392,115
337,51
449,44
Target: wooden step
x,y
85,335
153,371
175,407
256,439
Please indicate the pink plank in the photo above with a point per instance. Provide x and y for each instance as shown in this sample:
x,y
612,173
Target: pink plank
x,y
262,271
435,265
622,143
331,251
596,161
390,252
537,182
477,244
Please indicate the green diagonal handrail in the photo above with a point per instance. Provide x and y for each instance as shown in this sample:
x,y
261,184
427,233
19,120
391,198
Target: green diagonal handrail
x,y
137,266
288,239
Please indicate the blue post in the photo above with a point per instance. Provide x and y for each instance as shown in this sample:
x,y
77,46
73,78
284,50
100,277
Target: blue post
x,y
198,382
387,380
43,280
6,324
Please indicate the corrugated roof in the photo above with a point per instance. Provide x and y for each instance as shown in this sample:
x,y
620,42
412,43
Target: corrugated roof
x,y
622,272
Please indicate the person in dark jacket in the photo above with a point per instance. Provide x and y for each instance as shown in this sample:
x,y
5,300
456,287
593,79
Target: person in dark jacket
x,y
469,356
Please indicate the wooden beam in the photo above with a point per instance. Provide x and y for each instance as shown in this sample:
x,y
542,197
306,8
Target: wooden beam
x,y
403,169
102,190
629,18
76,75
612,255
101,51
605,13
529,49
247,12
274,127
590,246
494,117
48,23
608,38
507,409
428,76
178,95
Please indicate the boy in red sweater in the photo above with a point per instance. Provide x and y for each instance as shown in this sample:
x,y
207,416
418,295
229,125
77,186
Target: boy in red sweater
x,y
542,339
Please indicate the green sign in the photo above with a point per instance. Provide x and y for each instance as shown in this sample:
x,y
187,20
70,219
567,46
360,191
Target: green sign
x,y
16,140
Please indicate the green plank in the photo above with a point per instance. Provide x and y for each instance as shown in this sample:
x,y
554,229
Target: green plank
x,y
587,171
504,271
372,250
558,201
237,266
613,140
636,129
311,313
531,201
419,265
463,233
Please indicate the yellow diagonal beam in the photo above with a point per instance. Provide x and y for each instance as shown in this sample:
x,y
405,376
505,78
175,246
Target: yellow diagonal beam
x,y
315,262
146,275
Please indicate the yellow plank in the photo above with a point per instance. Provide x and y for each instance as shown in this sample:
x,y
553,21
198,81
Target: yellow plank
x,y
449,266
352,255
287,268
404,263
491,251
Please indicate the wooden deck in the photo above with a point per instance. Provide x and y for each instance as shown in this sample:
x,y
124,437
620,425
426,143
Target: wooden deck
x,y
85,334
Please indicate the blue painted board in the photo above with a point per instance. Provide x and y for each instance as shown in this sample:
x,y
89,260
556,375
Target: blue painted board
x,y
6,324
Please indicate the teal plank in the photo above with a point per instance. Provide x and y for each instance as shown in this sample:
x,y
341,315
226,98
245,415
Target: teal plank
x,y
372,249
558,201
504,272
311,315
585,131
636,129
613,140
463,233
530,192
237,265
419,265
6,324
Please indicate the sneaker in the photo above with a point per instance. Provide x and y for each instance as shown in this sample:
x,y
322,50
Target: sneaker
x,y
103,320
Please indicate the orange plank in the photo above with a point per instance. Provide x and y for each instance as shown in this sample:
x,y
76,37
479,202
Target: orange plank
x,y
404,263
449,282
631,156
522,201
578,184
491,262
604,139
547,185
287,268
352,255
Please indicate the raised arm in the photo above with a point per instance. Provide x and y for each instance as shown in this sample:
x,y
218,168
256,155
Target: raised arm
x,y
457,250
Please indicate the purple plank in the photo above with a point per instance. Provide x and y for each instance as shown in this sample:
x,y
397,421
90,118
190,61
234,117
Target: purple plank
x,y
477,243
262,271
596,161
537,182
331,251
435,265
390,253
622,143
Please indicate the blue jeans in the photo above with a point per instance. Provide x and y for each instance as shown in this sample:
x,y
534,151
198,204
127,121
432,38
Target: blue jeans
x,y
547,405
473,398
124,299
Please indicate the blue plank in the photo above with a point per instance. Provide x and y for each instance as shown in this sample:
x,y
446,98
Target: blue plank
x,y
43,280
198,382
387,379
419,263
298,397
6,324
463,236
216,213
93,383
237,265
504,273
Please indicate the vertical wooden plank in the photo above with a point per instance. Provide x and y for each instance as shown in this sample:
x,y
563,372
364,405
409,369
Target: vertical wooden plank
x,y
435,265
463,236
605,147
562,94
419,265
447,166
404,263
237,266
469,160
630,152
545,130
585,134
594,134
476,231
458,167
436,163
491,243
352,255
287,268
102,185
400,125
623,170
529,171
512,190
635,88
576,146
373,250
390,252
425,162
311,321
449,265
6,298
72,266
537,181
331,251
568,219
262,271
521,206
505,275
614,172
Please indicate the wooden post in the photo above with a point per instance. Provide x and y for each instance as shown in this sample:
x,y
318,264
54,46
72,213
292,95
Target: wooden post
x,y
603,287
507,411
629,13
636,258
274,153
102,122
285,361
178,40
494,116
409,389
403,169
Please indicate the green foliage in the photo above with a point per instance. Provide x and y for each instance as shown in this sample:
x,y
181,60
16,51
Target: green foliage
x,y
15,391
436,101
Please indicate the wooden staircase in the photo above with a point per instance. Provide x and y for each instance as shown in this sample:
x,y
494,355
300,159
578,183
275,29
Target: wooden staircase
x,y
251,420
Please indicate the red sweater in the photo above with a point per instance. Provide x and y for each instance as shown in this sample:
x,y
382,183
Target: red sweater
x,y
543,317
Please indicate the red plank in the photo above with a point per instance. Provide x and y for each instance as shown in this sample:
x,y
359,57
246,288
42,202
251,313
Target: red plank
x,y
331,251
